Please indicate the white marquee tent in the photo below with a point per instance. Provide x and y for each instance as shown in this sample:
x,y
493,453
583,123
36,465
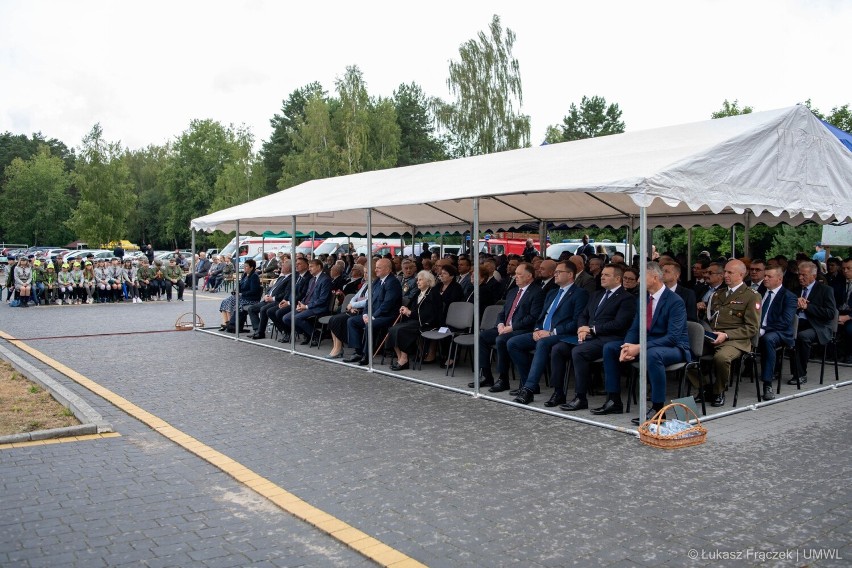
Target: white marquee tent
x,y
773,166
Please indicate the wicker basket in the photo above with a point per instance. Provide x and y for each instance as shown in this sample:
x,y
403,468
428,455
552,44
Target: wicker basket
x,y
185,323
693,436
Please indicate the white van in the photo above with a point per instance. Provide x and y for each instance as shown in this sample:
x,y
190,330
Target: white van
x,y
250,246
554,251
340,245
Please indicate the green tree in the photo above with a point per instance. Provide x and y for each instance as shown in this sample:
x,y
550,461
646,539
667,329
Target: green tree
x,y
592,119
243,177
284,125
418,141
486,82
731,109
352,120
106,191
147,222
384,140
316,152
791,240
840,117
35,200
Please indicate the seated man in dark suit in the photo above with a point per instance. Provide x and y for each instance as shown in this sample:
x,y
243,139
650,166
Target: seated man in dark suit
x,y
667,344
386,301
607,318
558,319
259,312
816,312
519,314
778,309
277,316
671,277
843,301
314,304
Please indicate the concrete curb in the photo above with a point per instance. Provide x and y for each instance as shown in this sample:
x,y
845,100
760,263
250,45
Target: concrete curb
x,y
92,421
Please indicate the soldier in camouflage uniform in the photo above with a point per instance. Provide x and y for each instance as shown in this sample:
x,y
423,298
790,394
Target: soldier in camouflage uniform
x,y
735,318
174,277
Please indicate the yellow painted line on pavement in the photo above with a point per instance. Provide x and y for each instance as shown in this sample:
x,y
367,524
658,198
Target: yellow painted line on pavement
x,y
63,440
361,542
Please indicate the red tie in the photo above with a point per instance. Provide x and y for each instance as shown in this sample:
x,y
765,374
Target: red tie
x,y
650,312
514,306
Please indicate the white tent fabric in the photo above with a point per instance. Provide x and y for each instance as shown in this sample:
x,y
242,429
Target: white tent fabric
x,y
782,165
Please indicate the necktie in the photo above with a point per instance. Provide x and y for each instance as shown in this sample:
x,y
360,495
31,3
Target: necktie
x,y
310,293
650,312
605,298
548,319
514,307
766,304
805,293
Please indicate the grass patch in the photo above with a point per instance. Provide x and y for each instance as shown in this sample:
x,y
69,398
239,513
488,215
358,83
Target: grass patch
x,y
26,407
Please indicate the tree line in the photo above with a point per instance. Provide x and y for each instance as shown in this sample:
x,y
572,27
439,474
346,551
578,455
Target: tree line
x,y
101,191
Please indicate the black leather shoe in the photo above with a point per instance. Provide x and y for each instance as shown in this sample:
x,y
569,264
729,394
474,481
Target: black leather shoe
x,y
258,336
555,400
648,415
283,339
767,392
524,397
499,386
700,396
609,407
575,404
364,361
398,367
802,380
305,341
517,391
354,358
718,400
314,343
482,384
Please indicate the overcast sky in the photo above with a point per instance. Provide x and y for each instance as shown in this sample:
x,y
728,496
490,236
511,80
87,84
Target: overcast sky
x,y
145,69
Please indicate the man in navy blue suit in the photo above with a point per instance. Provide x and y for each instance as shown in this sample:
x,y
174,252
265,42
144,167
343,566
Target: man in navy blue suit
x,y
314,304
520,312
778,309
386,300
816,312
667,344
607,318
558,319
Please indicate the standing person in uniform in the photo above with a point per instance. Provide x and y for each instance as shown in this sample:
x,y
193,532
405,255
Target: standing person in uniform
x,y
734,316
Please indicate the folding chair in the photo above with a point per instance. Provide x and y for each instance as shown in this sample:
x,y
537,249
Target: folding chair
x,y
465,341
459,320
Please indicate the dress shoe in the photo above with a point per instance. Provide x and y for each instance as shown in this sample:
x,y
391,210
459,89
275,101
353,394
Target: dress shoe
x,y
701,396
718,400
517,391
314,343
397,367
524,397
499,386
428,361
222,327
338,356
648,415
354,358
767,392
482,383
576,404
802,380
257,336
555,400
609,407
305,341
364,361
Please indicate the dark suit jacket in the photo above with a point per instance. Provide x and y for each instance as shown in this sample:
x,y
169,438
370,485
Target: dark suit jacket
x,y
564,320
668,328
586,281
528,308
353,286
840,296
387,298
782,311
821,310
202,266
429,311
280,290
688,297
615,316
466,283
319,300
453,293
700,288
301,286
549,287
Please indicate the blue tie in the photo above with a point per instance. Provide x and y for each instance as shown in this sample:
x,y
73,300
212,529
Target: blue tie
x,y
548,319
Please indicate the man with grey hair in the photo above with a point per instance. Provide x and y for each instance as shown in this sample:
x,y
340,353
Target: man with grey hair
x,y
278,290
816,309
667,343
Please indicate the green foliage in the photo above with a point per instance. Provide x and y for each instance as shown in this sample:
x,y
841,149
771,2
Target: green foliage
x,y
384,138
731,109
418,142
592,119
840,117
243,177
315,152
106,191
352,120
146,223
35,200
486,82
790,240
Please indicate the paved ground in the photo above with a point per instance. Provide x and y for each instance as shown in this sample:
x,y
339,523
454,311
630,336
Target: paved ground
x,y
444,478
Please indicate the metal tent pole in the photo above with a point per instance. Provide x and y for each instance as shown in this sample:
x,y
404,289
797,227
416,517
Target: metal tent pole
x,y
733,241
474,240
237,286
293,284
643,316
194,283
370,288
542,238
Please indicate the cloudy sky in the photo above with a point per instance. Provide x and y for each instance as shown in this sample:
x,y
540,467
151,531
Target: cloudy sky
x,y
145,69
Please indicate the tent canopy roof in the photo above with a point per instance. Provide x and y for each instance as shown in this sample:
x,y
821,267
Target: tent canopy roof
x,y
783,165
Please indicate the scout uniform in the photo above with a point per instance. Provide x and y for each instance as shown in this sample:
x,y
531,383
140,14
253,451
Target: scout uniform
x,y
77,282
737,314
51,284
90,282
65,285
